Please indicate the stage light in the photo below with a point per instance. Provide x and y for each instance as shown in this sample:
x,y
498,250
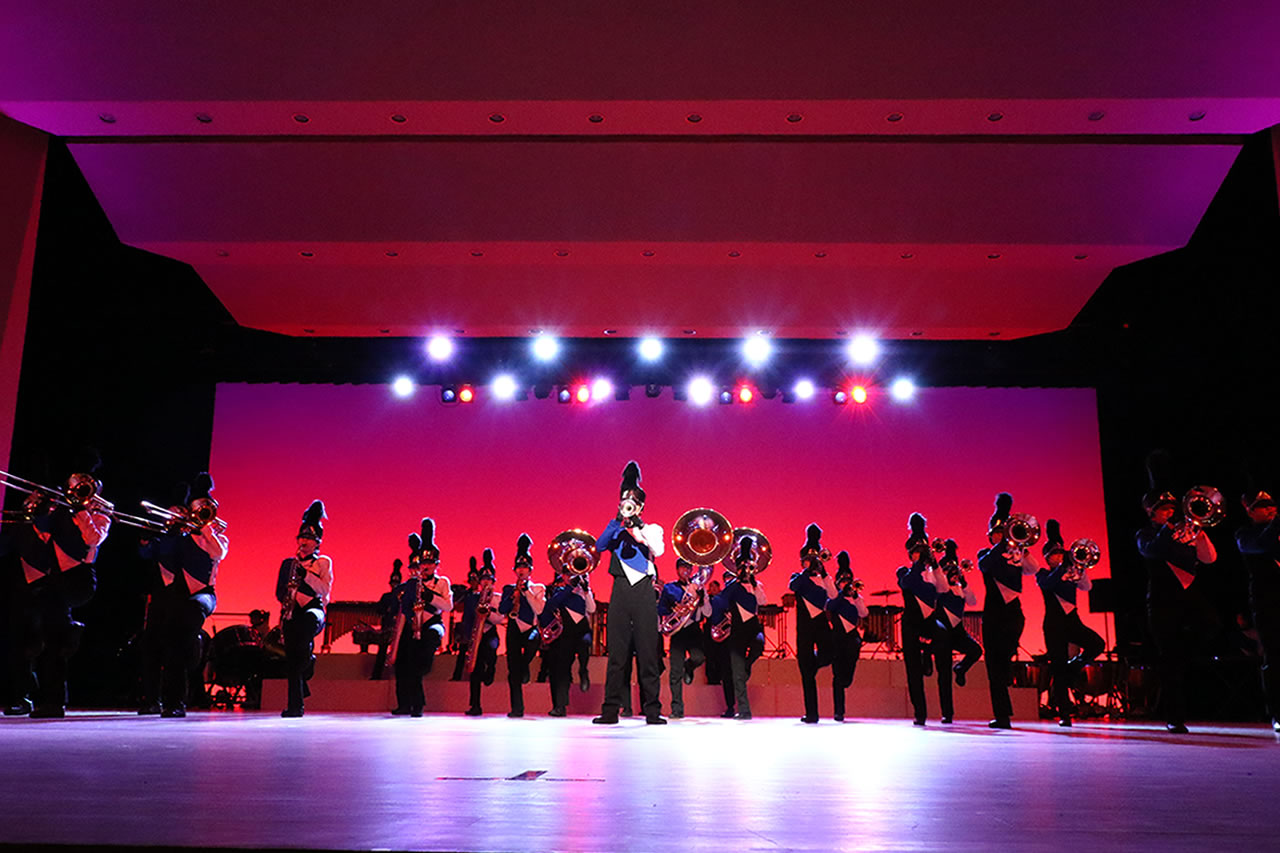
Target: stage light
x,y
858,393
448,394
650,348
903,389
701,391
805,390
503,387
745,394
726,396
601,389
653,390
542,390
440,348
582,393
402,387
840,397
545,347
756,349
564,395
864,349
466,394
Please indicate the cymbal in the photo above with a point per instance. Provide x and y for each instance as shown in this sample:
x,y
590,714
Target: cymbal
x,y
885,592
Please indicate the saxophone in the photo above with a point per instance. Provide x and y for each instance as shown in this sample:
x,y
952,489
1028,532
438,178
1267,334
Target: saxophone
x,y
296,572
477,630
420,603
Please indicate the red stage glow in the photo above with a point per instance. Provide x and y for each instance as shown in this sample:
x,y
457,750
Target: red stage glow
x,y
858,393
745,394
488,471
466,394
582,394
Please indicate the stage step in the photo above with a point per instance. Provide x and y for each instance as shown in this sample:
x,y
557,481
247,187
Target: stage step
x,y
342,683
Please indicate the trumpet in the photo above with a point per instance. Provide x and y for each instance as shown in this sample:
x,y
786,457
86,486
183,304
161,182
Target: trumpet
x,y
1084,554
1202,508
1022,530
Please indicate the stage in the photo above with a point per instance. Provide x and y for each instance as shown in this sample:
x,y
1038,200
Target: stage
x,y
446,782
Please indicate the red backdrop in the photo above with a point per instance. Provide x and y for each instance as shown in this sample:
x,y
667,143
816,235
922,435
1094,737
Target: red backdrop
x,y
488,471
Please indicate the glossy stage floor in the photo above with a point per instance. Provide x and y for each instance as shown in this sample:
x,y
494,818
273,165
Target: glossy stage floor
x,y
448,782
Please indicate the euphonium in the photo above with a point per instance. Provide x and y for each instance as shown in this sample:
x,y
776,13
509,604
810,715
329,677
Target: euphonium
x,y
683,611
481,620
1022,530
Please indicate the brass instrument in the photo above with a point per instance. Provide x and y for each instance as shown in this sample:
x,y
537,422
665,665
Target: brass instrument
x,y
202,511
682,613
291,590
80,492
702,536
1084,554
1202,508
763,554
574,550
629,511
481,622
1022,530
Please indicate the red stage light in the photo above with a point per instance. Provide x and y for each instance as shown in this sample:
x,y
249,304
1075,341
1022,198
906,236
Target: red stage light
x,y
745,394
582,393
858,393
466,394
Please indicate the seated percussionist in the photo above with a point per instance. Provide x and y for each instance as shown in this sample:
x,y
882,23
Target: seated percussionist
x,y
302,587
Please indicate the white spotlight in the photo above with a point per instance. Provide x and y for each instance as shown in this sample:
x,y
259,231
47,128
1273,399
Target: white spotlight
x,y
902,389
864,349
650,349
440,348
701,391
601,389
504,387
402,386
756,349
545,347
805,390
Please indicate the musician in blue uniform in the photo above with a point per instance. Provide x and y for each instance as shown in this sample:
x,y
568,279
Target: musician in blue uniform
x,y
813,587
565,625
687,652
1059,581
425,598
187,558
919,630
387,608
462,632
1259,544
521,603
633,603
480,610
845,610
1003,566
57,548
738,608
954,596
303,586
1177,613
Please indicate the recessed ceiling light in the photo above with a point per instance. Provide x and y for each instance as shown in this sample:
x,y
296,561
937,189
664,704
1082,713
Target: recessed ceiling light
x,y
693,118
906,256
307,254
476,253
611,331
893,117
384,331
1196,116
994,256
1081,257
648,253
690,331
994,116
595,118
204,118
106,118
819,254
795,118
993,334
301,118
398,119
309,331
222,253
735,254
1097,115
562,253
391,253
497,118
917,334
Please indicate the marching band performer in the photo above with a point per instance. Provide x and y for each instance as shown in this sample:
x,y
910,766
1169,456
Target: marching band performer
x,y
1002,567
573,601
388,608
462,639
813,588
303,586
1174,553
687,652
919,597
633,603
845,610
1259,544
739,603
480,618
1058,582
187,562
521,603
57,548
949,617
424,599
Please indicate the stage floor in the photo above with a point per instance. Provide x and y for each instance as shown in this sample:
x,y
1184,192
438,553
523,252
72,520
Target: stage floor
x,y
445,782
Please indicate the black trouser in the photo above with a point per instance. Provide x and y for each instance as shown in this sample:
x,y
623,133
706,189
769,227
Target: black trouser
x,y
1178,619
299,633
743,648
414,658
380,656
1264,597
560,657
1059,630
940,649
1002,625
913,652
486,664
845,648
522,647
715,657
633,623
686,656
813,652
171,643
959,642
46,636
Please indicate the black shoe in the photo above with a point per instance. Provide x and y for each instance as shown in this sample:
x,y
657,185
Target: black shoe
x,y
473,711
839,718
742,715
655,721
1275,725
1065,722
22,708
676,715
557,712
149,709
917,722
624,712
515,714
400,712
415,712
526,677
48,712
1000,723
688,676
177,711
1172,728
291,712
927,670
959,670
807,719
947,720
728,714
584,680
602,720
